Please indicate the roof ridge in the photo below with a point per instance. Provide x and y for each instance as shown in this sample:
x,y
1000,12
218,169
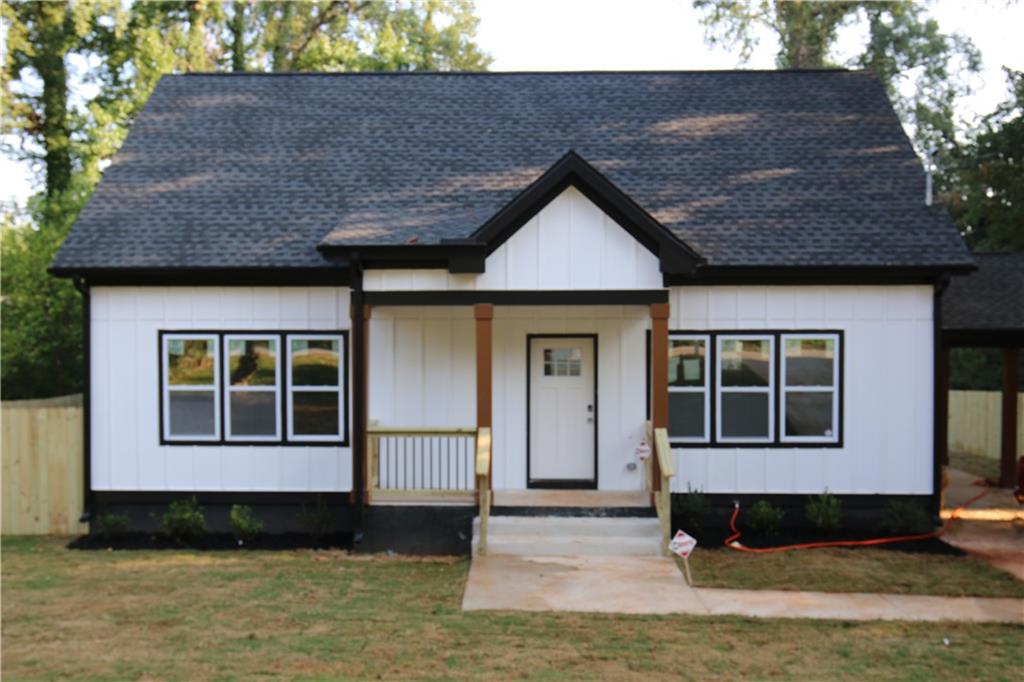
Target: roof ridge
x,y
595,72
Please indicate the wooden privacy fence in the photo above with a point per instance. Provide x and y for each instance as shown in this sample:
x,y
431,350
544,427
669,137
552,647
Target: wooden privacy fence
x,y
974,419
41,448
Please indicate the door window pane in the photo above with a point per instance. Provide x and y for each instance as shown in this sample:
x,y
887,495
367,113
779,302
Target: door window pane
x,y
745,415
746,362
191,413
315,362
563,362
686,415
686,362
253,362
809,414
190,362
810,362
253,413
315,413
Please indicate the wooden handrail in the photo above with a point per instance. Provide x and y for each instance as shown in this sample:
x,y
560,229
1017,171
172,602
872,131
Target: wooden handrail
x,y
664,453
483,482
661,489
421,431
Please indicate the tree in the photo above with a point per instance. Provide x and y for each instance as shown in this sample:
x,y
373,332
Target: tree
x,y
119,51
982,180
904,48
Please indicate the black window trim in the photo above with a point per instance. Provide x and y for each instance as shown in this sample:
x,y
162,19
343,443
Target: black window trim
x,y
776,442
221,391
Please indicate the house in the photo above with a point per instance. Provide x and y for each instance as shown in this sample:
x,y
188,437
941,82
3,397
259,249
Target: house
x,y
326,287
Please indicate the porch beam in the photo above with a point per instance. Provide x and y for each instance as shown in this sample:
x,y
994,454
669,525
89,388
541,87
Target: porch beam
x,y
659,376
519,297
1008,458
483,313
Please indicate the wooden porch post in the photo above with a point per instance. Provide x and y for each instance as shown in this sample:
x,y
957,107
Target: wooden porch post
x,y
484,314
1008,460
659,376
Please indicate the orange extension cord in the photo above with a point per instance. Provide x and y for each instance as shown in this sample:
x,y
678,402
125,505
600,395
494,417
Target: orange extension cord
x,y
732,540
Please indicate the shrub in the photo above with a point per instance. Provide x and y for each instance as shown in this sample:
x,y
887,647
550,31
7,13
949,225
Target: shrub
x,y
244,525
824,511
764,518
691,507
184,520
319,519
111,526
905,516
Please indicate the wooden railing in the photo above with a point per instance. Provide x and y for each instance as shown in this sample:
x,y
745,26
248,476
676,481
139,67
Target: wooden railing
x,y
483,483
427,464
659,480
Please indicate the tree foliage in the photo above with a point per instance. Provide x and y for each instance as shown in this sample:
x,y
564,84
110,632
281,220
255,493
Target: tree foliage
x,y
921,67
77,72
982,180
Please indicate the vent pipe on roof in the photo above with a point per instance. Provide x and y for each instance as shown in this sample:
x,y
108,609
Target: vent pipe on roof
x,y
929,168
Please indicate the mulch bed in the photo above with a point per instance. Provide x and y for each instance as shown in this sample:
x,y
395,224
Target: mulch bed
x,y
214,541
714,539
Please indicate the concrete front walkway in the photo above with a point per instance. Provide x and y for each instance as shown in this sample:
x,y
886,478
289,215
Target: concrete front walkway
x,y
654,585
991,529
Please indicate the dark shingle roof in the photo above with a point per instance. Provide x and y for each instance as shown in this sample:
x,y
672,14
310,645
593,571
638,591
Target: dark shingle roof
x,y
991,298
748,168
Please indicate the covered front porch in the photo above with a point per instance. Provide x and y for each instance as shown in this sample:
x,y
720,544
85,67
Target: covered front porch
x,y
513,400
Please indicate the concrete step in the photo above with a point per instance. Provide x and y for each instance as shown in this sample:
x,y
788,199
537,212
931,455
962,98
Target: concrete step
x,y
558,526
569,536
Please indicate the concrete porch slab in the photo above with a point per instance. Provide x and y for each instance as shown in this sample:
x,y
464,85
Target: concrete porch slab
x,y
654,585
572,498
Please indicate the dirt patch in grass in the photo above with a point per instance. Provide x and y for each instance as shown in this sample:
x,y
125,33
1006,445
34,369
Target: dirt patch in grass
x,y
979,465
327,615
853,570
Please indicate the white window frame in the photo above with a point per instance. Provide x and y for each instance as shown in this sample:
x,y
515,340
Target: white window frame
x,y
833,389
341,389
705,389
167,388
229,389
768,390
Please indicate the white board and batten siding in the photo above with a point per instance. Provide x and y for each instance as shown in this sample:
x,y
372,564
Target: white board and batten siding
x,y
569,244
422,369
126,449
888,389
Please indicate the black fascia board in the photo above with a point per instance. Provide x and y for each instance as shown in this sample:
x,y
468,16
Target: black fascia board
x,y
816,274
336,275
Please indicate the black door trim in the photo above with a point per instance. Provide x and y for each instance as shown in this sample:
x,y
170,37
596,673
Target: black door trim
x,y
571,484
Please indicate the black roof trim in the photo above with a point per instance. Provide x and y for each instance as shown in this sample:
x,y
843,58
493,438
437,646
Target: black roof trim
x,y
572,169
802,274
554,72
210,276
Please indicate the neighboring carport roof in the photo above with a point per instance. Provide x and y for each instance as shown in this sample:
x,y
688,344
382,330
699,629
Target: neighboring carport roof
x,y
986,307
777,169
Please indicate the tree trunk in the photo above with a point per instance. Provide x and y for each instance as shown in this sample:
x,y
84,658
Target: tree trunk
x,y
55,124
237,30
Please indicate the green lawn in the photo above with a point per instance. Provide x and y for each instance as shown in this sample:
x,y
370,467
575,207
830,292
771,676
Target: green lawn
x,y
325,615
853,570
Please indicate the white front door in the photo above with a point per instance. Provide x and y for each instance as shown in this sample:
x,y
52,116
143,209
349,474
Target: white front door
x,y
563,413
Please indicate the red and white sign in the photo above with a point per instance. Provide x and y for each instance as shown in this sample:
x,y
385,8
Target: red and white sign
x,y
682,544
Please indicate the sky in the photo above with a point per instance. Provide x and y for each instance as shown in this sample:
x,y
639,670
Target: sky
x,y
566,35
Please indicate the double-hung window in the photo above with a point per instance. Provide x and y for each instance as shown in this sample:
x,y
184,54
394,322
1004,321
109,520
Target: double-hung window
x,y
316,393
253,388
746,375
756,388
191,409
810,388
252,379
689,408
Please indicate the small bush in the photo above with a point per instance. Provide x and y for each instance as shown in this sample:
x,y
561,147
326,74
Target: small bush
x,y
184,520
243,523
905,516
824,511
111,526
691,507
765,519
319,520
